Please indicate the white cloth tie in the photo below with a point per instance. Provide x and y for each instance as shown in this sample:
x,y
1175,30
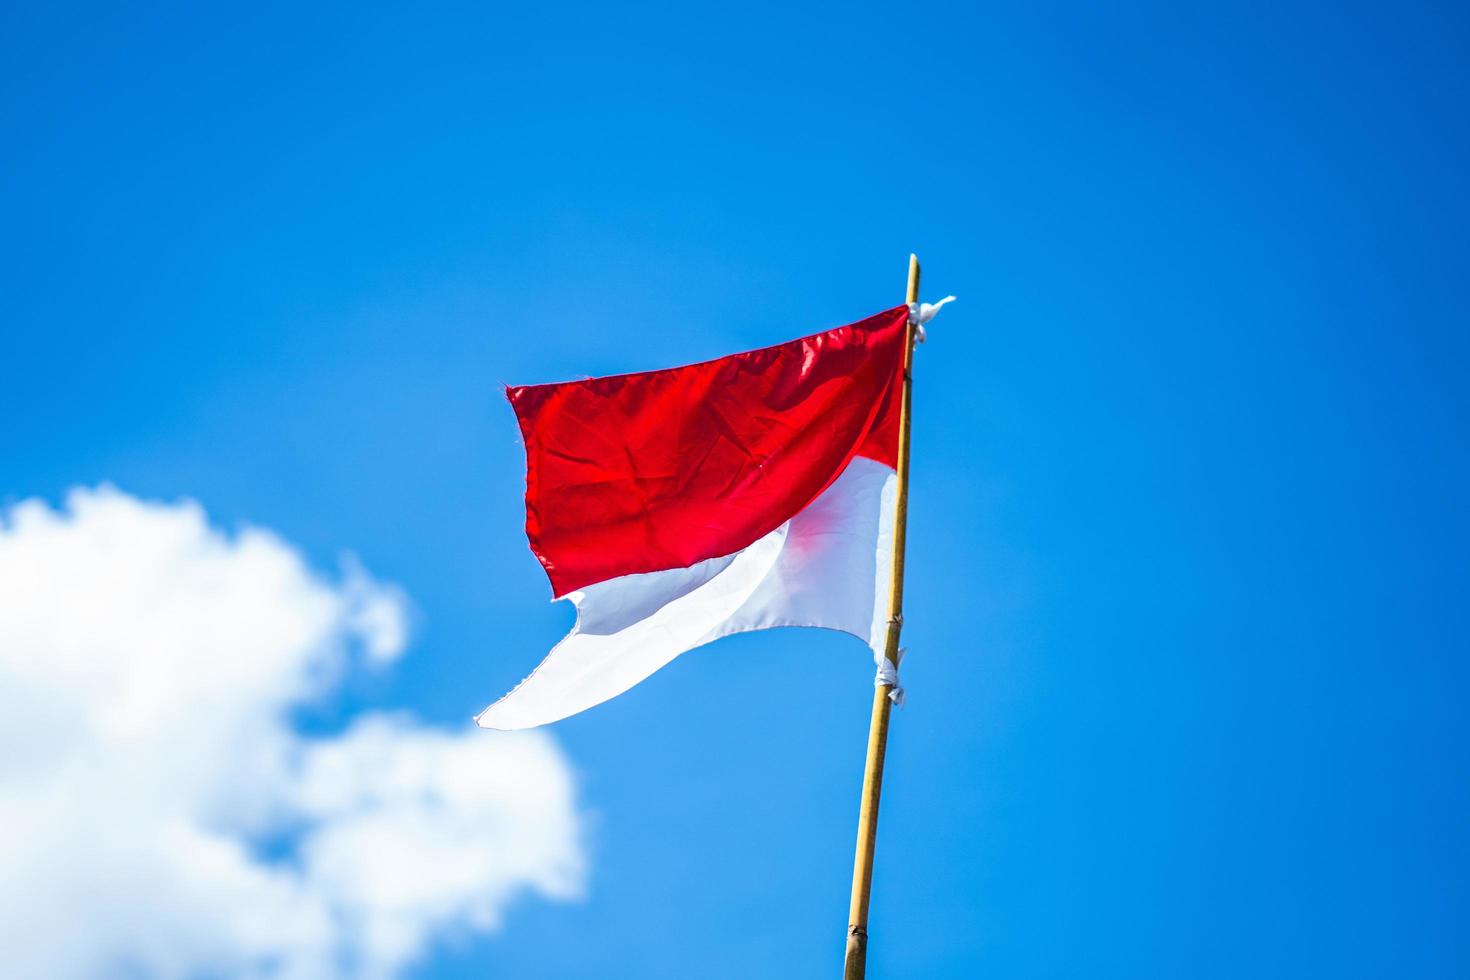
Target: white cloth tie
x,y
922,313
888,674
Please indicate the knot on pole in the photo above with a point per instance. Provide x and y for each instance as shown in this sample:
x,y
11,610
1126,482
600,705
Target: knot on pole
x,y
922,313
888,676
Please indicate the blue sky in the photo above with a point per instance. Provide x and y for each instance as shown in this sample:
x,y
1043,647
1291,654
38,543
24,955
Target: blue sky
x,y
1186,618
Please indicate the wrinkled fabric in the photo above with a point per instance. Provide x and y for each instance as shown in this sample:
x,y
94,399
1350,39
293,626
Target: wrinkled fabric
x,y
662,470
829,566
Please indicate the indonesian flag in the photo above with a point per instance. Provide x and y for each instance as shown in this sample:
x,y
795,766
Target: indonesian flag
x,y
675,507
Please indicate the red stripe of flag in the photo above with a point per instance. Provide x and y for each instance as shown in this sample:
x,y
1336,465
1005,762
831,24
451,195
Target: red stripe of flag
x,y
662,469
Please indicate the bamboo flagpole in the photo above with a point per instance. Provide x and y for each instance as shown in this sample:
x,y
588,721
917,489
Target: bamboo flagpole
x,y
855,963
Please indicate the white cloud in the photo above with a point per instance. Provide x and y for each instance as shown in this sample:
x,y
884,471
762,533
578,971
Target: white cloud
x,y
159,814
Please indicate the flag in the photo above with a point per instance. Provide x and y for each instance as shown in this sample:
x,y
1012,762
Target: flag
x,y
678,506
